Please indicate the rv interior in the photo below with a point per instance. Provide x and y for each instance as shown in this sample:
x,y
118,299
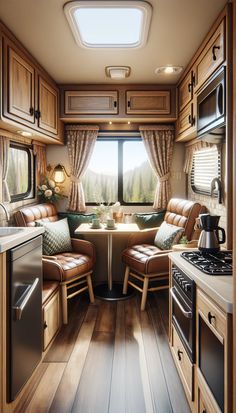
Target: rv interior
x,y
117,206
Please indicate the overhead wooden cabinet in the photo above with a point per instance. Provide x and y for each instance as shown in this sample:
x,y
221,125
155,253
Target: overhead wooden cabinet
x,y
186,90
148,102
30,97
91,102
212,56
186,124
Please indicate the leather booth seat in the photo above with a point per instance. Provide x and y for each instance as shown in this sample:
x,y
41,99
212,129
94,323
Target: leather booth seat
x,y
144,261
71,269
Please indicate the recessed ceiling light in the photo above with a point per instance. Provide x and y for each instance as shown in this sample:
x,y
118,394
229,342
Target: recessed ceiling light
x,y
117,72
168,70
109,24
24,133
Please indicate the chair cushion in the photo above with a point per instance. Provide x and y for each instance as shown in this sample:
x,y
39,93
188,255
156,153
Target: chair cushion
x,y
146,258
167,235
56,237
149,220
71,264
74,220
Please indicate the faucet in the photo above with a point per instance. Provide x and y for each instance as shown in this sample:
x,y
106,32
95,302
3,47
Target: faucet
x,y
6,211
217,184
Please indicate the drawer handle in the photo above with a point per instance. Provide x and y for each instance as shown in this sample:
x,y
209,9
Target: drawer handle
x,y
45,325
210,317
214,48
179,355
191,120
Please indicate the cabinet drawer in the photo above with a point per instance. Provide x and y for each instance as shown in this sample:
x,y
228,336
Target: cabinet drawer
x,y
51,319
149,102
212,56
91,102
185,91
183,363
206,401
212,314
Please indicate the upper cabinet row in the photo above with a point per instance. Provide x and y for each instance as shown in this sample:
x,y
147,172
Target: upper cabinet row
x,y
210,58
30,100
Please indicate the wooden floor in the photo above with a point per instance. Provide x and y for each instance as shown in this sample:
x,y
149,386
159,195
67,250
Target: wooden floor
x,y
110,358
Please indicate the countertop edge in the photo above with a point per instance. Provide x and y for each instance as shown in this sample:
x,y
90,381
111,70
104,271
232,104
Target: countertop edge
x,y
12,241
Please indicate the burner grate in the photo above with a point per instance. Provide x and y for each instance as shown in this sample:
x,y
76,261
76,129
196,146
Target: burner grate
x,y
219,263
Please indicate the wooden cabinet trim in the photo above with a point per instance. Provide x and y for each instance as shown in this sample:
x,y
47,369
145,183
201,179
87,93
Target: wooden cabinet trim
x,y
208,309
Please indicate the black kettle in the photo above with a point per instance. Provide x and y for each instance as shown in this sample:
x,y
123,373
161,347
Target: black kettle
x,y
210,239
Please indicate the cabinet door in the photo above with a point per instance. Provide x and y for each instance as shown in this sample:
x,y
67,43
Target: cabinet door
x,y
148,103
51,319
186,123
91,102
212,56
185,91
47,113
21,87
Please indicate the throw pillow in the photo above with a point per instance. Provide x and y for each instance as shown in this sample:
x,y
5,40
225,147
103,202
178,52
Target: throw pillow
x,y
167,235
56,237
74,220
149,220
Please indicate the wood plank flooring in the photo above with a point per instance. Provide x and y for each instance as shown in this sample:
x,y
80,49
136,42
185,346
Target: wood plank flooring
x,y
110,358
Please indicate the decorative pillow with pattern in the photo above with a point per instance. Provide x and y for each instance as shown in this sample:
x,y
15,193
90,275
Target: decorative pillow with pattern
x,y
56,237
167,235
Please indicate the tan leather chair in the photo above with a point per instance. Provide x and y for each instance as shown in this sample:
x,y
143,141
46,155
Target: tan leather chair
x,y
145,262
72,269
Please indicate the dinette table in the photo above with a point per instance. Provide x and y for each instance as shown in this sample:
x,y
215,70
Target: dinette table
x,y
110,290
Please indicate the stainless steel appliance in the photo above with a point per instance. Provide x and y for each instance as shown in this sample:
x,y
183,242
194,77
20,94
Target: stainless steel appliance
x,y
209,240
183,294
211,106
219,263
24,323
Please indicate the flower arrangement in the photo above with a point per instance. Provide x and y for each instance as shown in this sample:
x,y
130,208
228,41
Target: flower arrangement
x,y
49,191
102,210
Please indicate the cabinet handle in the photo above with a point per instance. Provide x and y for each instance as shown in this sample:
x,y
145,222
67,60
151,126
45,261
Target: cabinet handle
x,y
45,325
193,79
190,87
37,114
210,317
115,104
214,48
179,355
204,411
128,103
31,111
191,120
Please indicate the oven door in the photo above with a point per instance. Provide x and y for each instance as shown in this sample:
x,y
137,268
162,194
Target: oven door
x,y
183,319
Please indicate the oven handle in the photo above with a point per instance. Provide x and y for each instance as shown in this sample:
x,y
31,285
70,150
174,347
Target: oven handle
x,y
187,314
23,301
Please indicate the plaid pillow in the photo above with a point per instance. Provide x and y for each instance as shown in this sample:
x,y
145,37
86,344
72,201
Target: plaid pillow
x,y
56,237
167,235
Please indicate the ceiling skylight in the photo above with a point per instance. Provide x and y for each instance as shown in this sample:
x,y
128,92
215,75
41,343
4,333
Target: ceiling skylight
x,y
109,24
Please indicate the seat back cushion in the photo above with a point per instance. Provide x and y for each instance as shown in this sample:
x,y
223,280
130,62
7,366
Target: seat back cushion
x,y
56,237
75,219
167,235
183,213
149,219
26,217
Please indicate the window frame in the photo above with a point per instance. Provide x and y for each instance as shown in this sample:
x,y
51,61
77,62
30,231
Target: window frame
x,y
121,140
219,167
30,193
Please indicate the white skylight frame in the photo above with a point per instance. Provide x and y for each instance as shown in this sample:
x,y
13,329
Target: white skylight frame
x,y
143,7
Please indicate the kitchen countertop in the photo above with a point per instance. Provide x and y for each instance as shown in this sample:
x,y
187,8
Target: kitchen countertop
x,y
10,241
219,288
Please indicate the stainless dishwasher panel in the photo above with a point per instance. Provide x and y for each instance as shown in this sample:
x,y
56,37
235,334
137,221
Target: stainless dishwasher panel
x,y
24,314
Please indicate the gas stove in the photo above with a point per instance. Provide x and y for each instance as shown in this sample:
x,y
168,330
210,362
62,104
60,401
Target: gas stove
x,y
219,263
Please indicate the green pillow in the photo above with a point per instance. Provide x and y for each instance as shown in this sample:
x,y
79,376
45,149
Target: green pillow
x,y
149,220
167,235
56,237
75,219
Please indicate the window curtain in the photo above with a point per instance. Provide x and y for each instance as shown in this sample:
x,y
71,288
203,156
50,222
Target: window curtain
x,y
40,152
159,143
4,154
80,144
194,147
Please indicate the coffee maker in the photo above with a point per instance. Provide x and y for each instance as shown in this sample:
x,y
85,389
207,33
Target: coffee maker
x,y
210,239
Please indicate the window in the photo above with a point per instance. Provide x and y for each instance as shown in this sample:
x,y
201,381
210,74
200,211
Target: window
x,y
206,167
20,176
109,24
119,170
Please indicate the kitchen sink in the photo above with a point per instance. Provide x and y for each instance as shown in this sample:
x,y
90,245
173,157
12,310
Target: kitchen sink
x,y
5,232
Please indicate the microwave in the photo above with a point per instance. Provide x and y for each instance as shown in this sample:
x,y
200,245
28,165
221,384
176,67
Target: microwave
x,y
211,112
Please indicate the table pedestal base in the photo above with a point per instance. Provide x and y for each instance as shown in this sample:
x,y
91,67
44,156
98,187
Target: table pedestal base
x,y
104,293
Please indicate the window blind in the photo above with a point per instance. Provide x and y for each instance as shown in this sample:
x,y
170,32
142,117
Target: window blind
x,y
206,167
